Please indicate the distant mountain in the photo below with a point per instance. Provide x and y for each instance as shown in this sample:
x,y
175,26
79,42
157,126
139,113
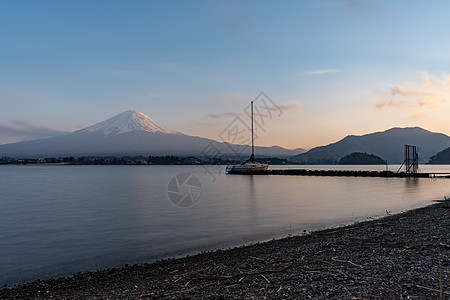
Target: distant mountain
x,y
19,131
358,158
389,145
131,133
442,157
128,121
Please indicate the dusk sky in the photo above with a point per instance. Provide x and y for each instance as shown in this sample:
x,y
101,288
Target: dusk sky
x,y
334,67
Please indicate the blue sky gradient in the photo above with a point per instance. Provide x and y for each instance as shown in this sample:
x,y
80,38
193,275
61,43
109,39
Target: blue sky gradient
x,y
336,67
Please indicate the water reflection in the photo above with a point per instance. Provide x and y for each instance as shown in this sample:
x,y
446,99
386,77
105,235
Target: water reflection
x,y
87,217
412,183
253,201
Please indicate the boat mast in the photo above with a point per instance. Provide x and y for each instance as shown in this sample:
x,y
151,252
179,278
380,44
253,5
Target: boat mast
x,y
253,146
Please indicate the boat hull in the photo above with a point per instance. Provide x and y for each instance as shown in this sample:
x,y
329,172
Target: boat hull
x,y
246,168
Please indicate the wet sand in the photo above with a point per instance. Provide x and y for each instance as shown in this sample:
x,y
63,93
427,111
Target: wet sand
x,y
404,256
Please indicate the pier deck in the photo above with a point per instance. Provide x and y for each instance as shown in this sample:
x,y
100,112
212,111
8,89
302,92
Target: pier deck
x,y
305,172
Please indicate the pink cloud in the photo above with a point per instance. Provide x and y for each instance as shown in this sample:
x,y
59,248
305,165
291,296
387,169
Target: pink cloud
x,y
445,80
398,90
426,80
233,114
320,72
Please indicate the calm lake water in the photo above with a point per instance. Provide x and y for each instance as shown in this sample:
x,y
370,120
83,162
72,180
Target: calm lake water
x,y
59,220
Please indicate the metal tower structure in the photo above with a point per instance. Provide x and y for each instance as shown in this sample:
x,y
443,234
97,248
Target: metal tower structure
x,y
411,161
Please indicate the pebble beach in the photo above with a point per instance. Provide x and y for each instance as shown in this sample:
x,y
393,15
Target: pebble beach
x,y
402,256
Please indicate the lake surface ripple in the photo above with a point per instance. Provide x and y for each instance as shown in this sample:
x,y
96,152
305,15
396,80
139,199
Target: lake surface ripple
x,y
59,220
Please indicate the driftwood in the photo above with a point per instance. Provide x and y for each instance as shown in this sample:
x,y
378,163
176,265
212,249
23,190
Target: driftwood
x,y
325,268
224,277
348,261
153,295
446,202
257,258
265,278
430,289
341,230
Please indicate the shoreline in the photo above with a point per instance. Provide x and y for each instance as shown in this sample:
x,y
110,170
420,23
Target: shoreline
x,y
395,256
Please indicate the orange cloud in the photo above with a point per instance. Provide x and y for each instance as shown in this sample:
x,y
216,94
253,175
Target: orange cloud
x,y
426,80
419,116
446,79
398,90
428,94
430,102
384,105
233,114
424,103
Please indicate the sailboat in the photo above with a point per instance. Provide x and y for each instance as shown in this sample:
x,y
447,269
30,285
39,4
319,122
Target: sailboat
x,y
249,165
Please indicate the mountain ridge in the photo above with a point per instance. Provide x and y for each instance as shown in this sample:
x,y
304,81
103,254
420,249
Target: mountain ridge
x,y
132,133
127,121
386,144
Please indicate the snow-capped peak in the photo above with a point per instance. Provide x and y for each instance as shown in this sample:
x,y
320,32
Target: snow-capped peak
x,y
127,121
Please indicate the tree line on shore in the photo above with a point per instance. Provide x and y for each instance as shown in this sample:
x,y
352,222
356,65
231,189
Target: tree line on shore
x,y
356,158
117,160
134,160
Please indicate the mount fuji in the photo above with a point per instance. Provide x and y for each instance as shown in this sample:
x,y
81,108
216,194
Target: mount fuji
x,y
129,133
130,120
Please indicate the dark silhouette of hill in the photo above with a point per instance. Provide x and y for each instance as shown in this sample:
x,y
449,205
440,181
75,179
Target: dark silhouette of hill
x,y
442,157
359,158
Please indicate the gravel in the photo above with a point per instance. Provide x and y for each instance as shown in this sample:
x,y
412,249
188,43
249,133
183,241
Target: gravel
x,y
404,256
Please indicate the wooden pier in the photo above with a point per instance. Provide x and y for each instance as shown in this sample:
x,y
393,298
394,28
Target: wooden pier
x,y
344,173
